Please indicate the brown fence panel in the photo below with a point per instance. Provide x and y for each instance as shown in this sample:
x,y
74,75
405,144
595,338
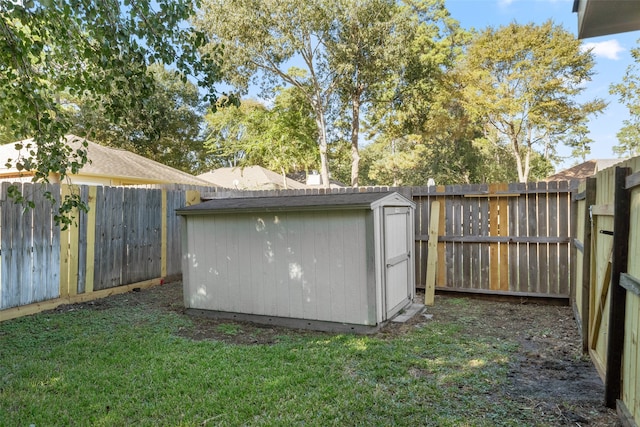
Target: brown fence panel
x,y
511,239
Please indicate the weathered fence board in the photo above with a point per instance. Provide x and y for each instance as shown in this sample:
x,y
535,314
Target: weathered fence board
x,y
556,207
490,239
128,247
505,238
83,191
29,248
129,235
175,200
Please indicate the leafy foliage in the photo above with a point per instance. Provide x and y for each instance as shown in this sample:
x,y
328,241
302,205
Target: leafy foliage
x,y
427,134
53,49
355,54
522,80
260,38
629,94
381,50
280,138
168,127
231,129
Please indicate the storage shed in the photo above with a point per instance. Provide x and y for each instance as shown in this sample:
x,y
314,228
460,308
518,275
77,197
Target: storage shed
x,y
331,261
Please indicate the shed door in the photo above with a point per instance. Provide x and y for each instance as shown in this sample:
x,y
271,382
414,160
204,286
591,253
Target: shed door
x,y
397,249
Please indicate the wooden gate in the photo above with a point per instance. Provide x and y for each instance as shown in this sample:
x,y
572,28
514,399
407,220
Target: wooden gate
x,y
607,267
601,257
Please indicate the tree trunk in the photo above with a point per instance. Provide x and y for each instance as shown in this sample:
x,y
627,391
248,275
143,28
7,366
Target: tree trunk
x,y
355,132
322,144
527,165
284,178
523,168
522,173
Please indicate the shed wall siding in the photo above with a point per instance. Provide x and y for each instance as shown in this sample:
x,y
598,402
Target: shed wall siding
x,y
307,265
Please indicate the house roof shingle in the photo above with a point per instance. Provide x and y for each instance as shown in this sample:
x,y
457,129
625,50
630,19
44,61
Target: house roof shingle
x,y
583,170
112,162
249,178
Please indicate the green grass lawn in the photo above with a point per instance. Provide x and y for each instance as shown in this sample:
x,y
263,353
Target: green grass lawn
x,y
130,366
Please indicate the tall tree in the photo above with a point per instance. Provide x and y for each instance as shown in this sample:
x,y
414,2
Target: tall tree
x,y
261,38
377,45
280,138
78,47
426,137
522,80
290,136
352,51
232,128
628,92
168,128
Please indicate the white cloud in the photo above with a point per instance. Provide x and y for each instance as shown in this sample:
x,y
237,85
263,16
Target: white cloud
x,y
609,49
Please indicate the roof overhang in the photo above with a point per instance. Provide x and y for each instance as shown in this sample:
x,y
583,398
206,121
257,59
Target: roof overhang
x,y
603,17
308,202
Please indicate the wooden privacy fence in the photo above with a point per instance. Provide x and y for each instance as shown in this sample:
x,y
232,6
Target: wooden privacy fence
x,y
130,237
508,239
511,239
607,270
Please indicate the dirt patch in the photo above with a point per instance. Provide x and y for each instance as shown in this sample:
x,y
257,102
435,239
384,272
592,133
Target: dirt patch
x,y
549,377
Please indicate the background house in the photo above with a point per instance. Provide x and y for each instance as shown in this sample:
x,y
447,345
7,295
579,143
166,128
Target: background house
x,y
106,166
250,178
600,17
583,170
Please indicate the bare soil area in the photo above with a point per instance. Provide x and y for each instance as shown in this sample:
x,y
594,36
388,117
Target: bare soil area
x,y
549,376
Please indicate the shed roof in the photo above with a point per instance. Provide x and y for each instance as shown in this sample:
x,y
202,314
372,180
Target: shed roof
x,y
298,202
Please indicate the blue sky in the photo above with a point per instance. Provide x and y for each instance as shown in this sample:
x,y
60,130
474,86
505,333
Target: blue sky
x,y
612,54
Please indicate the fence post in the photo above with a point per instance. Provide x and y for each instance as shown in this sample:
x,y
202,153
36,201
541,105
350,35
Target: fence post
x,y
615,344
590,199
432,254
192,197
